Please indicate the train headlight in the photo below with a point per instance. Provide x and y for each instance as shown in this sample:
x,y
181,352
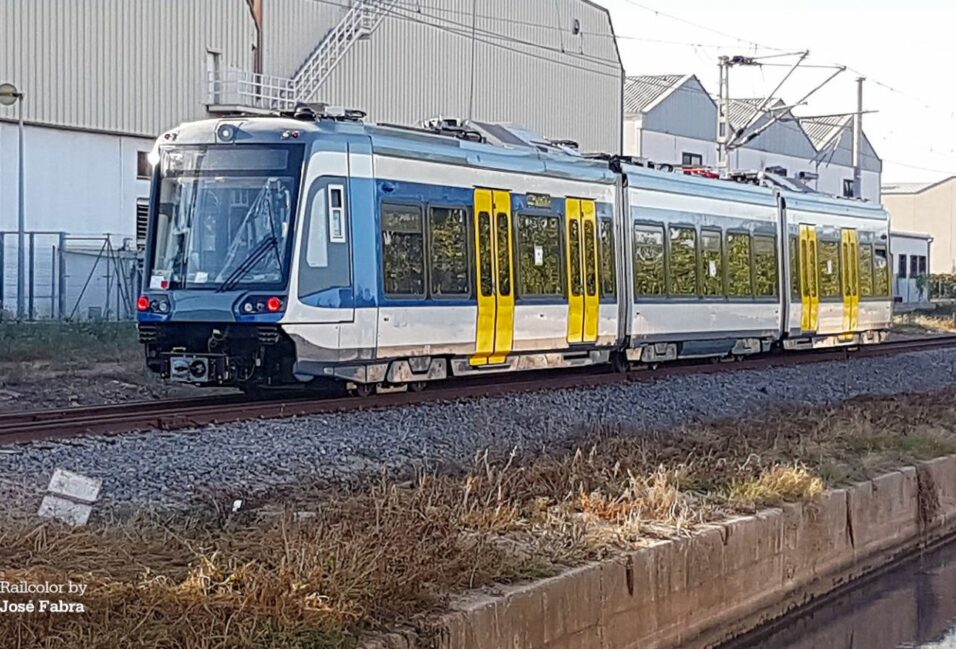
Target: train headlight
x,y
153,304
142,304
274,304
261,305
226,133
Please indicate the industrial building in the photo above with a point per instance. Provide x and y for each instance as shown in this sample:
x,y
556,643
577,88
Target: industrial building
x,y
673,119
102,78
929,208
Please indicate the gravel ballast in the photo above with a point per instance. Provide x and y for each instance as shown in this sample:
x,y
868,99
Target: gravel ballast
x,y
182,468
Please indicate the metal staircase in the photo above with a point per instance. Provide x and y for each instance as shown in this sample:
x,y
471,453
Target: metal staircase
x,y
359,22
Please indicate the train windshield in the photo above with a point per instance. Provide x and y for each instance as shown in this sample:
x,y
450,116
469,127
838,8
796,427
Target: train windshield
x,y
225,216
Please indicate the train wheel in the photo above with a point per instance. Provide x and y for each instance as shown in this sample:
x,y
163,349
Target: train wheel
x,y
620,364
418,386
363,390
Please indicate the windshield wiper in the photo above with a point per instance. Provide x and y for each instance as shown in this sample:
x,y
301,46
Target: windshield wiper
x,y
263,247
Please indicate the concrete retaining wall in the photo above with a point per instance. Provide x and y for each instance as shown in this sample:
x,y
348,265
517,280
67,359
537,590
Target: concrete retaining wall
x,y
725,580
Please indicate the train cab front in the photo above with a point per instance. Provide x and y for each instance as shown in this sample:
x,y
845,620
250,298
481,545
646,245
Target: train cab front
x,y
218,254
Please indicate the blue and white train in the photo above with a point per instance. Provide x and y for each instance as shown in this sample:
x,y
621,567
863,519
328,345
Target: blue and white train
x,y
285,250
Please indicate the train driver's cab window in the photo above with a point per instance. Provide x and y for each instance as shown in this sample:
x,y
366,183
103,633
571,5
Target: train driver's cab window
x,y
649,277
829,265
539,255
403,251
325,260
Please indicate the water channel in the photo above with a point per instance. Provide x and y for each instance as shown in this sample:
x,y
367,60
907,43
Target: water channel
x,y
913,606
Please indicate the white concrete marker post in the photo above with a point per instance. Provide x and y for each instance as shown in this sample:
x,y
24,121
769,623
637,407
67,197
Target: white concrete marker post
x,y
70,497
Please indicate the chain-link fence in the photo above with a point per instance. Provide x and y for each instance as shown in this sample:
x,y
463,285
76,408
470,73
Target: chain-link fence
x,y
69,277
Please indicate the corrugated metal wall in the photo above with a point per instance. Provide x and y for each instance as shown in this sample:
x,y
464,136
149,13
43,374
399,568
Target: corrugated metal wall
x,y
139,66
130,66
528,66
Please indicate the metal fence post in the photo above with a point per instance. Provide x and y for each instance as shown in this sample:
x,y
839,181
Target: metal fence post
x,y
61,277
53,282
31,313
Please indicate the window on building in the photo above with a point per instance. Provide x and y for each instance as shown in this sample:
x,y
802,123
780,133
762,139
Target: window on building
x,y
691,159
403,250
711,263
539,255
765,265
914,266
739,275
866,270
649,277
608,267
848,188
144,170
829,265
922,265
901,267
448,251
142,222
683,261
881,272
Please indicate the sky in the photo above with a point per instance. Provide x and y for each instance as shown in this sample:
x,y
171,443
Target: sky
x,y
905,50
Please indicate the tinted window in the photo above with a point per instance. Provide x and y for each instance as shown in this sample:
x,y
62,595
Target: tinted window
x,y
765,265
574,246
590,258
539,255
504,255
881,273
866,270
608,266
683,261
486,272
711,263
648,260
448,251
795,268
403,250
739,279
829,265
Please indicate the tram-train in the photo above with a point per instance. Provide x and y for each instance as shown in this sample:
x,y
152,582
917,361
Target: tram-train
x,y
295,248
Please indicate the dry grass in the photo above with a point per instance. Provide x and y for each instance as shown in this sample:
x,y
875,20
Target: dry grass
x,y
315,568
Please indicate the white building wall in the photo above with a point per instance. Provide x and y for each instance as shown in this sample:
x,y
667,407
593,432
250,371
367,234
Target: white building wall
x,y
666,148
908,245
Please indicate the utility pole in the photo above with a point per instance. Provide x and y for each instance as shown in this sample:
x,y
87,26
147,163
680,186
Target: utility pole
x,y
8,96
858,140
723,117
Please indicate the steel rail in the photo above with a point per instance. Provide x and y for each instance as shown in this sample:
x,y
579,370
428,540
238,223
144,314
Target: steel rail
x,y
176,414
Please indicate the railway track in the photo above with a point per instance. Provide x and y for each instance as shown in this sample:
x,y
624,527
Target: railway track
x,y
32,426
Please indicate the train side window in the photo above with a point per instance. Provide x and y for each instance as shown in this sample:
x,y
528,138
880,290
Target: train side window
x,y
403,250
574,246
539,255
711,263
766,278
448,251
866,270
337,225
324,264
683,261
795,269
829,265
486,273
739,265
881,272
649,268
608,265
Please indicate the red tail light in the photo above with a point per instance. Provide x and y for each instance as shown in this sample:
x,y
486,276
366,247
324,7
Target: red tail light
x,y
274,304
142,304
